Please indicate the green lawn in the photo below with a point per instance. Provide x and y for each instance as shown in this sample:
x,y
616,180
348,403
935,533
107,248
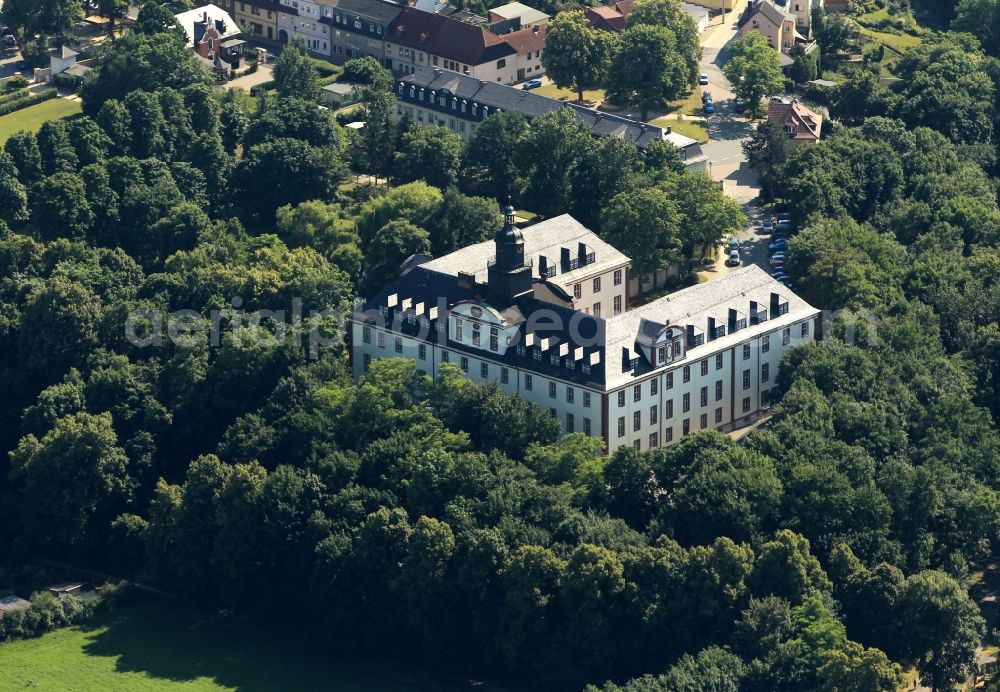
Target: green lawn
x,y
159,645
899,42
690,104
689,128
32,118
594,96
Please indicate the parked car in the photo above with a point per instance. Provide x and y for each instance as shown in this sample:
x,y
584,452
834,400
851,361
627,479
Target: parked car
x,y
784,216
9,40
780,255
779,275
778,245
706,96
709,107
767,227
531,84
784,225
739,105
6,31
734,244
703,79
734,258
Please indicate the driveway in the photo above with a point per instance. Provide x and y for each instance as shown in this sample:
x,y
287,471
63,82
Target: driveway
x,y
264,73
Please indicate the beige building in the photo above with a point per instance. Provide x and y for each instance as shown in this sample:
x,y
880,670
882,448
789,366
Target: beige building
x,y
774,23
727,5
417,39
704,357
803,10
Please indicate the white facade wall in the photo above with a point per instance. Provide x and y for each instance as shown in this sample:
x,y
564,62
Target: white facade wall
x,y
407,60
726,366
582,404
605,297
307,25
670,428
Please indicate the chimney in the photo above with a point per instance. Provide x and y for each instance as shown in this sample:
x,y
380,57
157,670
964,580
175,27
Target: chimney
x,y
690,333
564,258
581,252
466,280
775,300
220,26
543,266
626,359
732,320
711,328
437,72
670,129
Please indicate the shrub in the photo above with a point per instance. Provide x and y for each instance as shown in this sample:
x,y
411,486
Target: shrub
x,y
28,99
16,82
47,613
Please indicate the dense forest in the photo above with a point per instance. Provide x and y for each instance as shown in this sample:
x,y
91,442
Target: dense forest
x,y
444,521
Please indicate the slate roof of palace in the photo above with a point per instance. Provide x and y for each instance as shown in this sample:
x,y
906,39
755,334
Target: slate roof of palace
x,y
532,105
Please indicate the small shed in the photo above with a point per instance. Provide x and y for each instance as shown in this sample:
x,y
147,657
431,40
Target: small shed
x,y
339,94
12,603
61,59
82,590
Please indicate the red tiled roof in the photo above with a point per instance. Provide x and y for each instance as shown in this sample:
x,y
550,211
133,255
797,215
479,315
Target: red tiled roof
x,y
604,17
446,37
790,112
526,40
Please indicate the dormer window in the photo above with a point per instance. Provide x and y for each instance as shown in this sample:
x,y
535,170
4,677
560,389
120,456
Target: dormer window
x,y
719,332
758,317
696,340
782,308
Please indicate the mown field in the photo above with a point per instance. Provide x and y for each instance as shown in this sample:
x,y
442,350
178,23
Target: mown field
x,y
32,118
157,645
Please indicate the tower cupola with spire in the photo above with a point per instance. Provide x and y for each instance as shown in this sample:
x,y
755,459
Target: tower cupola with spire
x,y
509,273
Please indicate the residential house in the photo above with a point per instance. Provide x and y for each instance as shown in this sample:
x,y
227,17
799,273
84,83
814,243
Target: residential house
x,y
529,45
417,39
803,11
802,124
529,312
774,23
433,96
303,18
213,34
358,29
257,18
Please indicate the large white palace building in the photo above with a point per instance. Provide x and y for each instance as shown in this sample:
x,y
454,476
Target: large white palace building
x,y
544,313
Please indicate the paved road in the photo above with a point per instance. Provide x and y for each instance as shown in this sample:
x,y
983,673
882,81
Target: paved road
x,y
727,131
